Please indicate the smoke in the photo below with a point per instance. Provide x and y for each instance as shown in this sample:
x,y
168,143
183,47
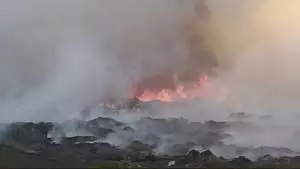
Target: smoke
x,y
256,44
260,46
57,57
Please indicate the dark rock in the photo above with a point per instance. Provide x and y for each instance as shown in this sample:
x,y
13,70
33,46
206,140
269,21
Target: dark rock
x,y
26,135
195,159
266,157
193,155
101,126
128,128
79,139
207,156
241,161
103,122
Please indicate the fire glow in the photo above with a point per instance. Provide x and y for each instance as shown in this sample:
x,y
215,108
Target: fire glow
x,y
201,89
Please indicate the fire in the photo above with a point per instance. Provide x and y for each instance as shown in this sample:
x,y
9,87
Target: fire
x,y
202,88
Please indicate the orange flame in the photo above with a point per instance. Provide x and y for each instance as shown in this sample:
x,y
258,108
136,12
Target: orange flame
x,y
203,88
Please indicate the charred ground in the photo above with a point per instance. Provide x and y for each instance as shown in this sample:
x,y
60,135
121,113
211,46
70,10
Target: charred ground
x,y
88,143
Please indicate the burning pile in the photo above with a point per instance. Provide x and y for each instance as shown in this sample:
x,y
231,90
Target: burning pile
x,y
159,71
203,88
194,77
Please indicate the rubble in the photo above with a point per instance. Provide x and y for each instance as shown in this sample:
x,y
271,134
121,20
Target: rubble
x,y
33,142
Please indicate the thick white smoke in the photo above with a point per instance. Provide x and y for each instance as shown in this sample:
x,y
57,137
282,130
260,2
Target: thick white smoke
x,y
57,57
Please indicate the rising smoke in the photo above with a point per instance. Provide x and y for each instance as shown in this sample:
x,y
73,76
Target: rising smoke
x,y
260,45
59,56
62,56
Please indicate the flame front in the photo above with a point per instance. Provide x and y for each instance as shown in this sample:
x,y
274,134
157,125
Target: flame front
x,y
201,89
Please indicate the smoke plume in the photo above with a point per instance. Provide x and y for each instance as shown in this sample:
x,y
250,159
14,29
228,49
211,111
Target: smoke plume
x,y
58,57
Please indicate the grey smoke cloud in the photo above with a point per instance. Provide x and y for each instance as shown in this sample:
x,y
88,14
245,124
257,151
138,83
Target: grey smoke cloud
x,y
257,43
56,57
